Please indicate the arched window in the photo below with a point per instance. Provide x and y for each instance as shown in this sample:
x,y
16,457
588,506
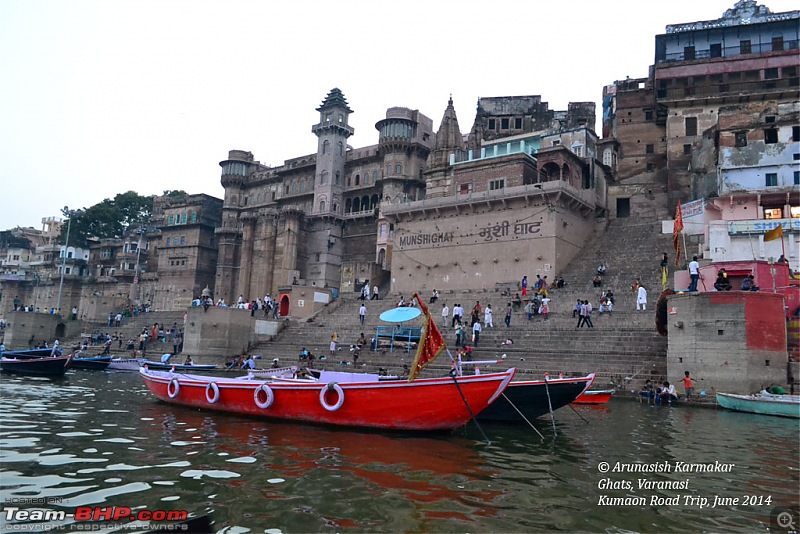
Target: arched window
x,y
374,177
364,202
321,205
302,186
347,205
337,178
335,208
326,145
356,205
373,201
294,187
323,177
310,184
398,169
341,148
358,179
388,170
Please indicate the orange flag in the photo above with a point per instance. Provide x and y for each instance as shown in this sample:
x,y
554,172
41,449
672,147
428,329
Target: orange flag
x,y
676,233
431,342
775,233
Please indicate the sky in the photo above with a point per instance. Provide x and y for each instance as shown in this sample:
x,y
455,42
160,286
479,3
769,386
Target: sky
x,y
102,97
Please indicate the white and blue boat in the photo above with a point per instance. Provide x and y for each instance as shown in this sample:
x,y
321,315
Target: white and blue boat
x,y
762,403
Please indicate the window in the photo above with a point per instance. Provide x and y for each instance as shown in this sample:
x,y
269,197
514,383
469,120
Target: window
x,y
374,176
648,115
771,179
171,220
769,119
688,53
687,150
649,149
741,139
607,157
358,179
796,177
777,44
715,50
504,124
341,148
321,205
691,126
491,124
326,145
183,240
323,178
398,169
795,133
578,150
194,217
650,167
745,47
183,217
557,142
518,123
771,136
773,213
465,189
388,170
336,178
497,184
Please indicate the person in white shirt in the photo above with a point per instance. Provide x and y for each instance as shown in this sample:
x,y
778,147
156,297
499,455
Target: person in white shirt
x,y
476,333
487,316
445,313
641,299
694,273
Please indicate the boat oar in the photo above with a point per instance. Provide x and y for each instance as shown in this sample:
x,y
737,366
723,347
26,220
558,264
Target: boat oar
x,y
550,403
523,416
472,415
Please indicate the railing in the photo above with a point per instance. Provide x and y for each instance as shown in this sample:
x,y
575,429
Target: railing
x,y
400,334
726,88
728,52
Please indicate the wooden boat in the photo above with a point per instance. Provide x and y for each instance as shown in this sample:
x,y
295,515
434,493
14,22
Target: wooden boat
x,y
535,398
762,403
54,366
93,363
125,364
594,396
424,404
161,366
27,354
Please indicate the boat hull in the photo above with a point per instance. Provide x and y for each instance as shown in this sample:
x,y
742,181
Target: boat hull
x,y
531,398
95,363
55,366
125,364
598,396
778,405
159,366
425,404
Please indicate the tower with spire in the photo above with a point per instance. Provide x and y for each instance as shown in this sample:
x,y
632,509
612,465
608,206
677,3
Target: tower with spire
x,y
448,141
332,132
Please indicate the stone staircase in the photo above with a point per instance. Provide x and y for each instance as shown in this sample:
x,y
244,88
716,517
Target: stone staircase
x,y
623,348
129,328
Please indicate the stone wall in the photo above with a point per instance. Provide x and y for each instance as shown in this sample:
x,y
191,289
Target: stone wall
x,y
732,342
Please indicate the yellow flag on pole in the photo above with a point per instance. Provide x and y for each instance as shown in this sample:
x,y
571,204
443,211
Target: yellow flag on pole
x,y
775,233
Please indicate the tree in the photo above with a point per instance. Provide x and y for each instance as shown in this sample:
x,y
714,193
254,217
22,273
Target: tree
x,y
108,219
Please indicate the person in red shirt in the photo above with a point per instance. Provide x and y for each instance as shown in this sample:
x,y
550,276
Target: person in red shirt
x,y
687,384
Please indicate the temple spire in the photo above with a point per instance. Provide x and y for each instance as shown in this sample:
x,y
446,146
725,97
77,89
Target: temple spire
x,y
448,137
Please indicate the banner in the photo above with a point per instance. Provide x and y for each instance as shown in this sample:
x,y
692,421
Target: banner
x,y
775,233
431,342
676,233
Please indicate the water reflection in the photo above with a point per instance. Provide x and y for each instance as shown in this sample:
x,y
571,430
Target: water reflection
x,y
100,439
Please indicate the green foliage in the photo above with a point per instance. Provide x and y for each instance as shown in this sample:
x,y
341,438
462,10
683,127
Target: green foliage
x,y
108,219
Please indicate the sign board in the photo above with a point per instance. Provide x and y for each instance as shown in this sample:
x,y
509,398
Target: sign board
x,y
762,226
695,207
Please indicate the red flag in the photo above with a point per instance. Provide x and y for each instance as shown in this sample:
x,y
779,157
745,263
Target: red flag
x,y
676,233
431,342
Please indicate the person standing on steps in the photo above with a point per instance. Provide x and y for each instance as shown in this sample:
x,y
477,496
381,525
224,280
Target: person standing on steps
x,y
641,299
508,315
445,313
476,333
524,285
362,313
487,316
664,264
694,274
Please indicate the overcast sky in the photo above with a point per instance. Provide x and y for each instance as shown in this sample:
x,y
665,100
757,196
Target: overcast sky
x,y
101,97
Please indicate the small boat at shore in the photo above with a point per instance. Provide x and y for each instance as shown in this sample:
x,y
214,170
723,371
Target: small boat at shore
x,y
27,354
125,364
594,396
534,398
53,366
422,405
762,403
91,363
166,366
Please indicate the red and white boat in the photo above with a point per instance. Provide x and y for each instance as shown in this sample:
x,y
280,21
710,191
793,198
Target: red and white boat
x,y
424,404
594,396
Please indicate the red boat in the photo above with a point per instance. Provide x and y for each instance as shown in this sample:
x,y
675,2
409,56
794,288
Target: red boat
x,y
424,404
594,396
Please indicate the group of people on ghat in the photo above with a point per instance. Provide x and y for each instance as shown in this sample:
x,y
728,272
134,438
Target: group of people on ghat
x,y
267,305
666,393
365,293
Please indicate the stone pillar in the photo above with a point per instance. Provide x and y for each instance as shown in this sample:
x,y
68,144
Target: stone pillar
x,y
264,255
290,241
246,263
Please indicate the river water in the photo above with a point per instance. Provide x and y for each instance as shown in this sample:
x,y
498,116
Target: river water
x,y
100,439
